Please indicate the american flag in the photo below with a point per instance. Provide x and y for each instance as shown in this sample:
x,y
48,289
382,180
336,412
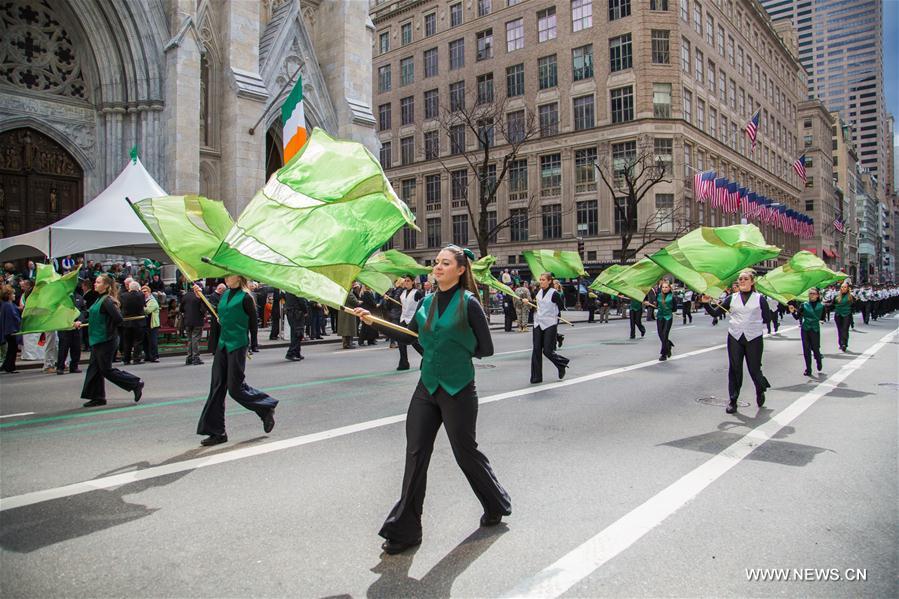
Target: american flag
x,y
752,129
839,225
720,198
703,185
733,198
799,167
744,200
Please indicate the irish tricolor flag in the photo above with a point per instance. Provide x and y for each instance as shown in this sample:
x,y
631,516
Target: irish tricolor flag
x,y
294,133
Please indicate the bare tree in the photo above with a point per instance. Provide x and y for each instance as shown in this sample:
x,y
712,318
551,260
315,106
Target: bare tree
x,y
629,176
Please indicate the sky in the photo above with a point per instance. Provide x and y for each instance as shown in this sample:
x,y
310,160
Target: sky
x,y
891,58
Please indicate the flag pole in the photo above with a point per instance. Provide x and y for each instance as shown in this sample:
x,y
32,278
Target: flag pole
x,y
266,110
387,297
382,322
534,306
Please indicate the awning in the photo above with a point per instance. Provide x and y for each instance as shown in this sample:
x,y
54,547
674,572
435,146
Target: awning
x,y
811,250
830,253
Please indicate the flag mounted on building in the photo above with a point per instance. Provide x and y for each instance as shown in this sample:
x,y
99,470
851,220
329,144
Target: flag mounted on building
x,y
294,120
799,168
752,129
839,225
703,185
720,192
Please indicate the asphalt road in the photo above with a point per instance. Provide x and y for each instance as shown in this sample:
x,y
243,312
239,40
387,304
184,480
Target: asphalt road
x,y
627,478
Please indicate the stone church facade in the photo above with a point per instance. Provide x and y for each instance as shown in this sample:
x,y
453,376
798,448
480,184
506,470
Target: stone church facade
x,y
84,81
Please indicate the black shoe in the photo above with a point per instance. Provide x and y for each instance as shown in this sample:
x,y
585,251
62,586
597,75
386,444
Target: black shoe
x,y
94,403
138,361
561,339
562,372
806,372
63,371
819,365
75,371
392,547
536,381
491,520
187,361
139,392
643,333
662,358
268,420
293,358
197,362
633,336
214,440
760,399
154,360
403,367
731,407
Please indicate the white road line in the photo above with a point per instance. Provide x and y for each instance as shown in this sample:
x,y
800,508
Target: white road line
x,y
14,415
558,578
108,482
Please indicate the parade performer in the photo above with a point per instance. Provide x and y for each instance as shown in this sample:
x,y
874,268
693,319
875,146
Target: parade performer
x,y
409,298
664,317
104,319
546,323
842,314
748,311
452,329
811,313
237,317
635,315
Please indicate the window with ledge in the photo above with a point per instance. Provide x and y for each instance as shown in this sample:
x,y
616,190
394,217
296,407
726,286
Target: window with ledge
x,y
661,50
407,150
623,156
700,114
618,9
384,112
515,35
406,34
685,56
485,44
460,229
582,62
457,96
552,221
622,101
459,188
384,155
625,215
699,67
484,7
432,104
549,119
518,180
407,110
620,54
547,72
585,170
430,60
550,175
665,212
663,149
485,88
546,24
457,139
384,42
584,117
518,226
588,218
432,193
697,17
456,15
515,127
685,11
661,100
434,233
407,71
384,78
515,80
457,54
432,145
658,4
430,24
581,15
487,184
485,134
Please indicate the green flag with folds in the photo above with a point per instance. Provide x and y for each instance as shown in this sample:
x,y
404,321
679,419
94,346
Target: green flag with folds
x,y
316,222
636,280
187,228
383,268
50,306
599,283
561,263
480,269
708,259
793,280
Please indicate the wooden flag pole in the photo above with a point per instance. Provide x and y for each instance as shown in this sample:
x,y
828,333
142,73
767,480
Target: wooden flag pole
x,y
387,297
382,322
534,306
206,301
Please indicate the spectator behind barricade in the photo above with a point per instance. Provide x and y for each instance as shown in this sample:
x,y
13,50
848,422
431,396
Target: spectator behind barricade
x,y
156,284
151,309
10,324
30,271
193,311
133,327
9,273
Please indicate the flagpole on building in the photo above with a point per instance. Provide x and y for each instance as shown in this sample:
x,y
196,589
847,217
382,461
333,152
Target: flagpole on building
x,y
269,107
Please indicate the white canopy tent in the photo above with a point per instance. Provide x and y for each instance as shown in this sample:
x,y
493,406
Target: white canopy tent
x,y
105,224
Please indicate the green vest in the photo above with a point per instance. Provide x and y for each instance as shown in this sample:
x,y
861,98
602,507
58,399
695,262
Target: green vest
x,y
448,345
842,305
635,305
235,324
811,316
98,323
665,304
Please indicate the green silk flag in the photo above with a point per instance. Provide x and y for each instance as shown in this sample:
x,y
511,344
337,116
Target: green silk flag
x,y
383,268
187,228
708,259
50,306
561,263
793,280
480,269
316,222
636,280
599,283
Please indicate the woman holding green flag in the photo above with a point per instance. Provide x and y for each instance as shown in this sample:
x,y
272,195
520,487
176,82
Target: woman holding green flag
x,y
664,317
452,329
842,314
546,323
811,313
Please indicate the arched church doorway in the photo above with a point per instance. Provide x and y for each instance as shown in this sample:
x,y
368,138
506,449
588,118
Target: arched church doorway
x,y
273,149
40,182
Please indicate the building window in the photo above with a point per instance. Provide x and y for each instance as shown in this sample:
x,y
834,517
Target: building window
x,y
457,54
730,50
552,221
407,191
406,33
407,71
384,42
487,183
485,44
623,156
432,193
456,15
688,165
514,35
434,233
431,68
457,139
430,24
518,180
588,218
700,114
484,7
685,11
713,123
515,127
585,170
384,117
460,229
698,67
620,56
518,224
384,78
457,96
732,95
625,215
622,100
688,106
546,24
407,150
665,212
810,205
661,53
485,88
807,140
658,4
583,113
409,237
722,86
546,70
515,80
661,100
720,40
697,17
619,9
582,62
664,154
485,134
407,110
810,182
432,145
685,56
549,119
459,188
711,78
581,14
384,155
709,30
551,175
432,104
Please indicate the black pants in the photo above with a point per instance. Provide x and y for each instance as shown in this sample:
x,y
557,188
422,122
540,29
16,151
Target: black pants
x,y
100,369
842,323
509,317
215,330
69,345
866,313
687,311
276,319
750,351
254,338
404,349
228,377
133,343
636,318
811,344
773,321
663,327
295,320
545,345
458,414
12,347
591,313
